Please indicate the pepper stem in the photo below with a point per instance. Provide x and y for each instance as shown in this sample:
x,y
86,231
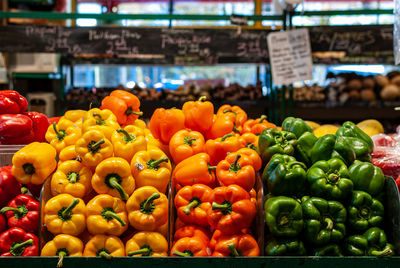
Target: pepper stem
x,y
182,254
284,220
21,245
155,164
251,146
262,118
235,167
61,256
189,140
28,168
111,214
226,136
105,255
233,250
142,251
66,213
210,168
73,177
229,111
329,223
203,98
235,129
147,203
99,121
17,211
24,189
382,253
114,184
60,134
216,206
127,137
95,146
130,111
191,205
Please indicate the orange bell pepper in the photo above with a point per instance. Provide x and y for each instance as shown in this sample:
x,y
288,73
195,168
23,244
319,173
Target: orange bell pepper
x,y
194,170
192,231
235,245
236,169
253,155
124,105
164,123
249,140
199,114
253,196
184,144
222,125
179,224
240,114
190,247
256,126
192,204
218,149
232,209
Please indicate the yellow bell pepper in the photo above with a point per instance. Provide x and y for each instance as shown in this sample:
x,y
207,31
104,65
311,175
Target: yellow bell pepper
x,y
151,168
113,176
147,244
147,209
71,177
65,214
106,215
104,246
153,142
128,141
34,163
93,147
63,245
140,123
163,229
68,153
104,120
62,134
75,116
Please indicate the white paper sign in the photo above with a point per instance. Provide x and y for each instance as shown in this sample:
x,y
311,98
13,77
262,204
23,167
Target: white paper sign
x,y
290,56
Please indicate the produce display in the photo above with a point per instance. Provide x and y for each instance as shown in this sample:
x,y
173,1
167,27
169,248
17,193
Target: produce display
x,y
323,194
190,183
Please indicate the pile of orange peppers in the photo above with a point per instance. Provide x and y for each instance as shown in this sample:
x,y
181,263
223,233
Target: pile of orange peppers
x,y
110,185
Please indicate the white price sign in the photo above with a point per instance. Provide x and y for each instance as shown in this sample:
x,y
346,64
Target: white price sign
x,y
290,56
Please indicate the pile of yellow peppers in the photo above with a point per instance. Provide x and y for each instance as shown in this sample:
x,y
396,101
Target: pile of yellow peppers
x,y
110,183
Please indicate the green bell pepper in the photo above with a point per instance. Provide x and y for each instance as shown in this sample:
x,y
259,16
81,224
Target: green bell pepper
x,y
358,139
272,141
367,177
330,179
296,126
304,146
329,250
285,247
372,243
283,216
364,211
331,146
324,221
283,175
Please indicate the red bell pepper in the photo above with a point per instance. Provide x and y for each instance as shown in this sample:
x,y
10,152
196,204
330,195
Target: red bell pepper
x,y
54,119
23,212
9,186
17,242
11,102
40,125
3,223
398,183
16,129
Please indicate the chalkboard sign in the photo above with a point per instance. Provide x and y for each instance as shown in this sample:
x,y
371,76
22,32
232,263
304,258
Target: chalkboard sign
x,y
189,46
352,39
209,45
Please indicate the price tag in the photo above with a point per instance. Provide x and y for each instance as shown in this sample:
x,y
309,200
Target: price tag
x,y
238,20
290,56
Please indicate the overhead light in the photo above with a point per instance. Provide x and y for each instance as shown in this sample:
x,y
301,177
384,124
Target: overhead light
x,y
130,84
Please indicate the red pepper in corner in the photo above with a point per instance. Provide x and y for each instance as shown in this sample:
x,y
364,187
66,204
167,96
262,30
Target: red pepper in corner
x,y
17,242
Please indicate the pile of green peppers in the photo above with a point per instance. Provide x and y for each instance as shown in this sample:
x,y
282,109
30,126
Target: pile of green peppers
x,y
323,196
